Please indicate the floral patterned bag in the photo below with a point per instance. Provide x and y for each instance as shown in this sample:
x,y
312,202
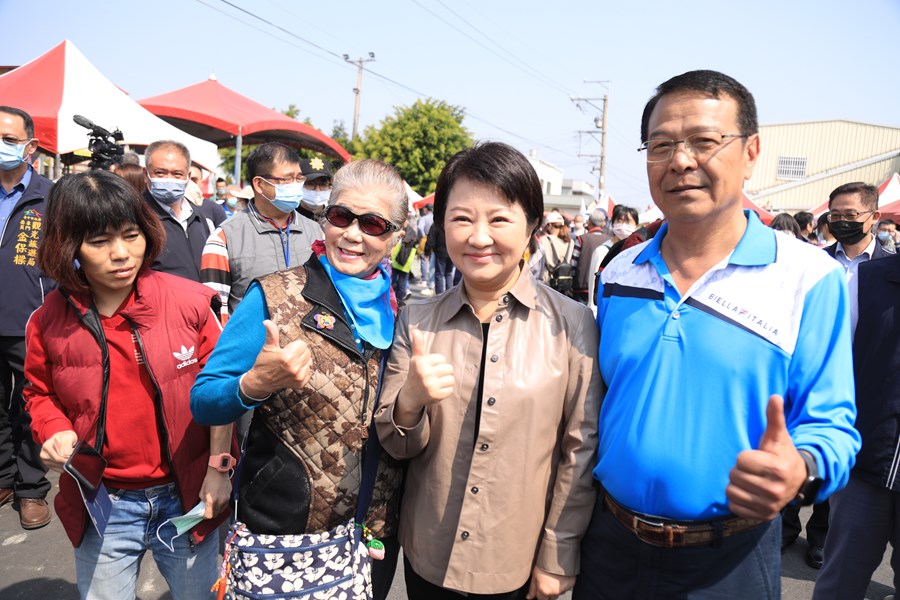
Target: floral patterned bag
x,y
333,564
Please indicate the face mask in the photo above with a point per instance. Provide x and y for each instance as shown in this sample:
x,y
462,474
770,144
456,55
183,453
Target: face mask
x,y
622,231
847,232
884,237
316,199
287,197
579,229
182,524
231,202
220,193
167,191
11,155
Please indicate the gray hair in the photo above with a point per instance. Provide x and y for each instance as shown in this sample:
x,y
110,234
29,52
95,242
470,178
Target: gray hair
x,y
372,174
167,144
598,217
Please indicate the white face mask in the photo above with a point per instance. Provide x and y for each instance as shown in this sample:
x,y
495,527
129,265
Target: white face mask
x,y
623,230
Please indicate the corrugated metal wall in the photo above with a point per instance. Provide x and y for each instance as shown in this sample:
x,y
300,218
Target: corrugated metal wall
x,y
826,145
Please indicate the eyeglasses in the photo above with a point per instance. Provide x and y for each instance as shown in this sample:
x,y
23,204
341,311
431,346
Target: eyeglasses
x,y
369,223
850,215
318,185
299,178
700,145
13,140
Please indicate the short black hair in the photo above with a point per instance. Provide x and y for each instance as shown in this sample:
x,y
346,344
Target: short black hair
x,y
887,222
500,166
620,211
787,223
868,194
29,122
264,157
709,82
804,219
220,180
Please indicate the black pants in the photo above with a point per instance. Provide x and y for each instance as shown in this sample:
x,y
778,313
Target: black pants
x,y
816,527
20,456
419,589
383,570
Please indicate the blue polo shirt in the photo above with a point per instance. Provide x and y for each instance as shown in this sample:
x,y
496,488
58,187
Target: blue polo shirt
x,y
689,377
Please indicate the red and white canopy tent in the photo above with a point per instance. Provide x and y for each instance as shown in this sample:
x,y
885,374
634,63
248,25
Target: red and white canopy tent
x,y
213,112
429,199
62,83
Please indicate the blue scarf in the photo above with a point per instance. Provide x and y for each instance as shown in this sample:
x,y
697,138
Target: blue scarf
x,y
367,303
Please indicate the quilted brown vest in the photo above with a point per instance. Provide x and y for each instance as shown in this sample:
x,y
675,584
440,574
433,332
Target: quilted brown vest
x,y
325,425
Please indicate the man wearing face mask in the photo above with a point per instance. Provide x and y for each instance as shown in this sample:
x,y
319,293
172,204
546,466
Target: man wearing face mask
x,y
853,212
271,235
22,201
187,225
316,188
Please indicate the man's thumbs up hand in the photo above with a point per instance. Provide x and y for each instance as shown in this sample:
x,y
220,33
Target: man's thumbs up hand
x,y
763,481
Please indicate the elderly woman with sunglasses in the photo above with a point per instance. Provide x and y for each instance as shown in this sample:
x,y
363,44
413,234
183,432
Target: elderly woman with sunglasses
x,y
304,349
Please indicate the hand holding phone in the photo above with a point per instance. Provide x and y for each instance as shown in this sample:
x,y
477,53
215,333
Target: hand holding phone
x,y
56,451
86,465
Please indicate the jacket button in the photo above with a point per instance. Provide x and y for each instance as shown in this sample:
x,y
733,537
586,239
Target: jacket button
x,y
484,447
495,358
491,401
498,318
465,535
474,490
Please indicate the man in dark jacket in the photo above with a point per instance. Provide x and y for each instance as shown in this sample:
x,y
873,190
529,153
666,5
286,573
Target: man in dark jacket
x,y
863,515
187,226
22,199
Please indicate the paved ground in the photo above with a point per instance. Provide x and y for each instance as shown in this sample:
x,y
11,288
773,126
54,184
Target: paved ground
x,y
39,565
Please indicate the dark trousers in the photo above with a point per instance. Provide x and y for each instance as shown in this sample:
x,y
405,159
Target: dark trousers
x,y
864,518
20,456
816,527
443,274
420,589
383,570
617,565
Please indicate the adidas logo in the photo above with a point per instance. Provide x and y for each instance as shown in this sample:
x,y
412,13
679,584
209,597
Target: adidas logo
x,y
185,356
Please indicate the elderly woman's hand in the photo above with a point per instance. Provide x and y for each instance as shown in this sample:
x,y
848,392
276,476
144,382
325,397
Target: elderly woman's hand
x,y
429,381
277,368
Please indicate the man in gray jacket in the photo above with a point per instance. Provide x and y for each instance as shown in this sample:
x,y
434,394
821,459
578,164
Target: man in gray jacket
x,y
270,235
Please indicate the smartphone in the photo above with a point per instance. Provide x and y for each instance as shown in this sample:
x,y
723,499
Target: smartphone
x,y
86,465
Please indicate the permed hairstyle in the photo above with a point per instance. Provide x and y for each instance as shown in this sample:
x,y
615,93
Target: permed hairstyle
x,y
500,166
709,82
371,175
86,204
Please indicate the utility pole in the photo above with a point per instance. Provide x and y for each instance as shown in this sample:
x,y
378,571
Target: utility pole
x,y
599,124
359,62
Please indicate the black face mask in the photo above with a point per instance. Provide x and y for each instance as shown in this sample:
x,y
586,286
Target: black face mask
x,y
847,232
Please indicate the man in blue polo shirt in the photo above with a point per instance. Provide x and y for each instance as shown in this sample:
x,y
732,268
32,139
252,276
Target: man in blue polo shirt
x,y
726,352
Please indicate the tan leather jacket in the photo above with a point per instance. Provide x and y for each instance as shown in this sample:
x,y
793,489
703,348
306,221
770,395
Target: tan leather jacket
x,y
478,513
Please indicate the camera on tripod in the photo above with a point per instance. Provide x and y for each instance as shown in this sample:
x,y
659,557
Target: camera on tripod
x,y
106,148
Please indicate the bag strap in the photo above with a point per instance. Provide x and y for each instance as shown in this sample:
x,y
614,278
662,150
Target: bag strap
x,y
371,453
555,253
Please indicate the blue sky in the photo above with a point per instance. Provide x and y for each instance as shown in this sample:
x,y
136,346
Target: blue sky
x,y
511,64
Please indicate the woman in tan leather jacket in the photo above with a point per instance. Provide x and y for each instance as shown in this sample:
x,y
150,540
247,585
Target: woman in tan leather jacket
x,y
492,392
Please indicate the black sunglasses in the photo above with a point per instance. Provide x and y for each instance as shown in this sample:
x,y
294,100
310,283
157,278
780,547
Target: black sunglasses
x,y
369,223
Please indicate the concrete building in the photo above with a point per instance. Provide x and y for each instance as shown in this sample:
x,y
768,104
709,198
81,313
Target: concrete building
x,y
564,194
801,163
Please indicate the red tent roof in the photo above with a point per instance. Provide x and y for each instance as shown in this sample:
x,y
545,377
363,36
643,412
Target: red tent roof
x,y
213,112
429,199
764,215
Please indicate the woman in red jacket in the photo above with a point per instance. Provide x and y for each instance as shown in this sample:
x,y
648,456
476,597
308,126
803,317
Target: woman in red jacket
x,y
111,357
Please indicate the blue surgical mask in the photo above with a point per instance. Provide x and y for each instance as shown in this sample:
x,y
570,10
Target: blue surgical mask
x,y
884,237
287,197
182,524
167,191
316,199
231,202
11,155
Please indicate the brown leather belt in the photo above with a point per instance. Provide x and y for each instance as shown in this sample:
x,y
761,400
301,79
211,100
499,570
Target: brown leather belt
x,y
664,533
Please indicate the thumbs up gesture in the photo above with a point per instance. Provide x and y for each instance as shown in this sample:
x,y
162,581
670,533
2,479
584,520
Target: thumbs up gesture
x,y
763,481
429,381
277,368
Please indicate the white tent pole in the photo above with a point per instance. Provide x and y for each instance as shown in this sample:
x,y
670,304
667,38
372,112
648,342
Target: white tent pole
x,y
237,157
